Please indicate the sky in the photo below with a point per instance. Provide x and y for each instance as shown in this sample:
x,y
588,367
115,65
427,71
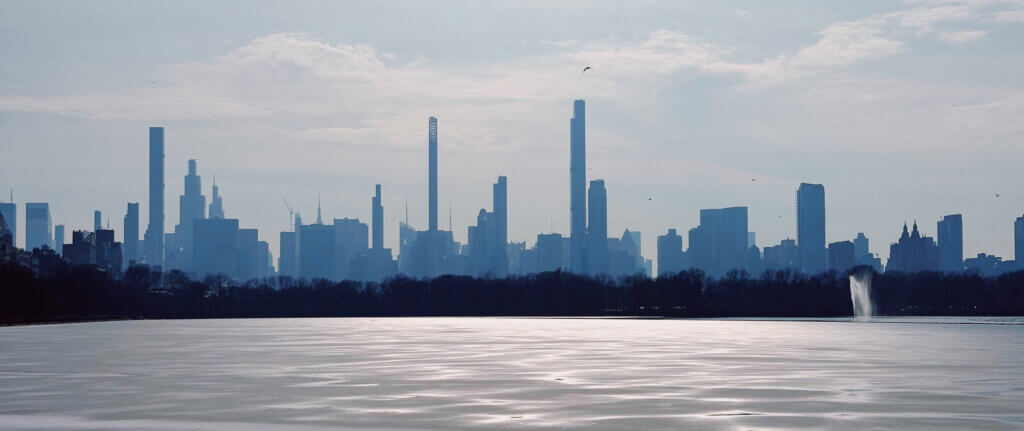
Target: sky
x,y
904,110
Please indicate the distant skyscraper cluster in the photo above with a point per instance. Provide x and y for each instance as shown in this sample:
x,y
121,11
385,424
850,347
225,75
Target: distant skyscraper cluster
x,y
205,242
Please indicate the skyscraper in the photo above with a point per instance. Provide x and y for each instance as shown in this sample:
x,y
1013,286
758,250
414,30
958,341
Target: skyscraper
x,y
216,202
670,253
577,187
377,220
131,233
58,238
191,207
1018,241
810,227
597,229
38,225
154,241
499,255
432,162
97,221
10,212
950,235
719,244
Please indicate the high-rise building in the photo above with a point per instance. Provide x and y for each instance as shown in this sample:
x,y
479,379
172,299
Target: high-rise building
x,y
578,187
216,202
215,244
350,238
97,221
913,253
719,244
782,256
10,212
950,235
58,238
287,260
432,168
1018,241
192,207
154,238
131,233
597,229
317,247
499,255
810,227
38,225
841,256
670,253
861,250
377,220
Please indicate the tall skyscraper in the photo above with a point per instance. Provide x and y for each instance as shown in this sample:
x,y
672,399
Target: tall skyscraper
x,y
10,212
377,220
719,244
432,162
597,229
499,260
191,207
38,225
810,227
97,221
58,238
216,202
131,233
154,241
578,187
1018,241
950,235
670,253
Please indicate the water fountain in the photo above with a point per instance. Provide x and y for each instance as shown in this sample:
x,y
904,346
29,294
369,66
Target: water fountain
x,y
860,295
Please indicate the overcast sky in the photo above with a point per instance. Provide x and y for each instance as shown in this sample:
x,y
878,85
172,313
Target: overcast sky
x,y
904,110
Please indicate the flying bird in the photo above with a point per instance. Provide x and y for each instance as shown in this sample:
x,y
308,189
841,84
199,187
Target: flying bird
x,y
585,69
997,195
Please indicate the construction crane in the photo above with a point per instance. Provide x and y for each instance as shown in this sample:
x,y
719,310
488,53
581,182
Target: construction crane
x,y
291,214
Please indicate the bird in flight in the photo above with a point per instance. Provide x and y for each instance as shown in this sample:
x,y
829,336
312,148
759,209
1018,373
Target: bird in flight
x,y
585,69
997,195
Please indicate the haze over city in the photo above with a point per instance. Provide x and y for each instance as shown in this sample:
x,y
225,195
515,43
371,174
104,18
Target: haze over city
x,y
903,110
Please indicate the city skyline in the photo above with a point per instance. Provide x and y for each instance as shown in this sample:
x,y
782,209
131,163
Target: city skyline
x,y
654,181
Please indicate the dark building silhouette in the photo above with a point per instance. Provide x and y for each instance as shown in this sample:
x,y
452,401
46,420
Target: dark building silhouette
x,y
377,220
131,234
97,220
38,226
810,226
670,253
841,256
913,253
8,251
578,187
432,172
253,256
950,236
862,254
986,265
154,237
623,255
597,229
95,248
719,244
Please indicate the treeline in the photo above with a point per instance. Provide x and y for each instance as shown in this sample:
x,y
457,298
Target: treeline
x,y
79,293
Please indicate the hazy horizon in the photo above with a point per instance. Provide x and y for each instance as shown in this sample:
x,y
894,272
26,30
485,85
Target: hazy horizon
x,y
903,110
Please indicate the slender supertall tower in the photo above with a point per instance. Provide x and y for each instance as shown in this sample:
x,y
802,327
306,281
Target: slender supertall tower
x,y
500,202
155,231
578,187
432,137
377,219
97,221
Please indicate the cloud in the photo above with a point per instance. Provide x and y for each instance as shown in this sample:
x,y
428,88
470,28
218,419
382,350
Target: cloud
x,y
1016,15
963,36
